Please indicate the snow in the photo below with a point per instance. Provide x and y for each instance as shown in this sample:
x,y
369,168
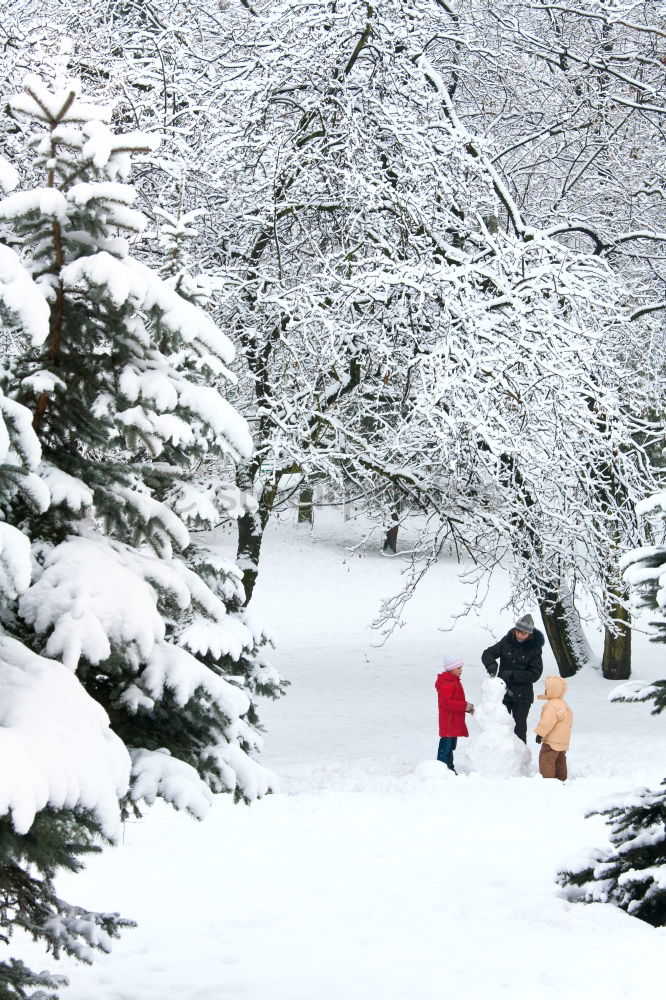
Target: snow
x,y
20,447
9,177
88,601
227,638
375,873
651,504
22,438
111,196
41,103
129,281
162,388
636,572
21,298
156,773
633,690
150,511
153,384
14,561
43,381
85,192
206,403
180,672
103,270
99,147
194,504
55,743
45,201
66,489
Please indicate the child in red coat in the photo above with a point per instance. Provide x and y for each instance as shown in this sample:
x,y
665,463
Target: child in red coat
x,y
452,709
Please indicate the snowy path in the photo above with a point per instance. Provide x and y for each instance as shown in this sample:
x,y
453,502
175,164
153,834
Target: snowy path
x,y
376,876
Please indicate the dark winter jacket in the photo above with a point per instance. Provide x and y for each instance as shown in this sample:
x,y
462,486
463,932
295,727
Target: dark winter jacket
x,y
452,705
520,664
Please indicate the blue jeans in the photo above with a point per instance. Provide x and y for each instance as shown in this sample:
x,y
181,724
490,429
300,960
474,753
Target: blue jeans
x,y
447,745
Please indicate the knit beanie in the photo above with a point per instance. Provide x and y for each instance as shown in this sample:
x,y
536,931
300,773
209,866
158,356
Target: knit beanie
x,y
525,624
450,662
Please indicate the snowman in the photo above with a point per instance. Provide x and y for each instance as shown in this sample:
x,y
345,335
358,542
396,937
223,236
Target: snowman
x,y
496,751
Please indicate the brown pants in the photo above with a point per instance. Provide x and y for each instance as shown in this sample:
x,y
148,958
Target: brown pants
x,y
552,763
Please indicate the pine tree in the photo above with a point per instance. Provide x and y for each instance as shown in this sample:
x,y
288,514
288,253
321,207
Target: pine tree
x,y
49,727
111,399
632,874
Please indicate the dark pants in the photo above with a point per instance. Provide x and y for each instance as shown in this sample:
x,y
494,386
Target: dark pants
x,y
553,763
519,710
447,745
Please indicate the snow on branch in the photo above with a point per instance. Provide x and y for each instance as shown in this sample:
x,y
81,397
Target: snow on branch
x,y
9,177
129,282
66,489
156,774
173,668
21,300
640,691
88,603
55,743
17,438
14,561
45,201
226,638
38,102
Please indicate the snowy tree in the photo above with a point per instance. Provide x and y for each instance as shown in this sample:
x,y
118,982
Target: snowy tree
x,y
645,568
632,873
369,254
115,610
341,152
570,101
63,770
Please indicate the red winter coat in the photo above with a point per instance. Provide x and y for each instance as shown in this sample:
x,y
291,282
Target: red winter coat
x,y
452,705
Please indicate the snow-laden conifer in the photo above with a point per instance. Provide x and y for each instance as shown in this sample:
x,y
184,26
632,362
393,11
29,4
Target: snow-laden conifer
x,y
63,771
112,609
632,874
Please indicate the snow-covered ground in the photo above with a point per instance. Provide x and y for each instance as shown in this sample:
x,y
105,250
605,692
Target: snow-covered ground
x,y
375,874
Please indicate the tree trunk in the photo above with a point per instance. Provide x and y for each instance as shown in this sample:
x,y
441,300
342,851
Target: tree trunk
x,y
391,540
391,537
251,534
564,630
305,507
616,663
250,537
557,629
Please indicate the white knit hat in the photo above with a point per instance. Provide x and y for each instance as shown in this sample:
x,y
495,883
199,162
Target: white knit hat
x,y
450,662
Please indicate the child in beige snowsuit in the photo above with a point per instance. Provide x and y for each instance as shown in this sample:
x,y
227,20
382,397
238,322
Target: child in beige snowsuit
x,y
554,730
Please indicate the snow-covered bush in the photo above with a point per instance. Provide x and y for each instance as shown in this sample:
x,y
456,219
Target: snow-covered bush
x,y
632,875
128,666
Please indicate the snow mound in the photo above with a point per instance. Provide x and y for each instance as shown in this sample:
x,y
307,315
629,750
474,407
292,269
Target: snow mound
x,y
432,772
496,751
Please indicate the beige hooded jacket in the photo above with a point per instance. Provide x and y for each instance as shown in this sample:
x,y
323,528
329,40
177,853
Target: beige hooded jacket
x,y
556,717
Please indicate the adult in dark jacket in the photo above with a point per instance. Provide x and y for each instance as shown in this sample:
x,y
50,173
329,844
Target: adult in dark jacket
x,y
519,666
